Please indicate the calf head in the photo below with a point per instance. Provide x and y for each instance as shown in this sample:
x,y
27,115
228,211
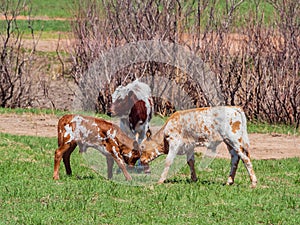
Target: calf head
x,y
130,155
150,149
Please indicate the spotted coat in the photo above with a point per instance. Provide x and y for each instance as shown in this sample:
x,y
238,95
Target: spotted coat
x,y
207,126
134,104
97,133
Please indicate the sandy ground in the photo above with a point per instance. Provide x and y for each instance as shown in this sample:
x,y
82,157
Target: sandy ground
x,y
263,146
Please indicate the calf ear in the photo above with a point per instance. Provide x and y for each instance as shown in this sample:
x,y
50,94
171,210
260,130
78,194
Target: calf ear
x,y
136,148
131,94
148,134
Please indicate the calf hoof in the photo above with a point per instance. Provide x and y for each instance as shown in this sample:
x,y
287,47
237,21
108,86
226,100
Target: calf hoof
x,y
194,179
147,171
253,185
160,181
128,177
230,181
55,177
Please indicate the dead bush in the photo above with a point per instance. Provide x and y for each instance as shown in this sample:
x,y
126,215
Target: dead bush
x,y
256,65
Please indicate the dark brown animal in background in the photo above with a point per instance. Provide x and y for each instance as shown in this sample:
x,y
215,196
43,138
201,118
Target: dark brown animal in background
x,y
97,133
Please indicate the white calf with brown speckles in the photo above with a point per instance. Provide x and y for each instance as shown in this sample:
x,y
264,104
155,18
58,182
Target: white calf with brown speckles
x,y
207,126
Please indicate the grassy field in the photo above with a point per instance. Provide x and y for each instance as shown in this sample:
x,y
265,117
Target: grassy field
x,y
65,9
52,9
48,11
28,195
46,26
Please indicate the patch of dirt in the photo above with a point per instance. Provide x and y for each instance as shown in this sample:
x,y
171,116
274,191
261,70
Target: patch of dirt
x,y
49,45
29,124
267,146
263,146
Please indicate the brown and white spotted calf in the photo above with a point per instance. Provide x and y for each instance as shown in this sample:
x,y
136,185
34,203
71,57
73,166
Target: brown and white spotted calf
x,y
209,126
134,104
97,133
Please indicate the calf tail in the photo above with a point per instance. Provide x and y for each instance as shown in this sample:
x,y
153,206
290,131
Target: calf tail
x,y
60,131
246,142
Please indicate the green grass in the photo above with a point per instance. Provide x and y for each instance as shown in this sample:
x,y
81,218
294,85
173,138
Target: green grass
x,y
37,26
52,8
266,128
31,110
243,10
28,195
44,8
65,9
51,25
37,111
38,8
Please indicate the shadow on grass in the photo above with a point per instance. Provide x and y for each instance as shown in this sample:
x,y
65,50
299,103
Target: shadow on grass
x,y
181,180
85,177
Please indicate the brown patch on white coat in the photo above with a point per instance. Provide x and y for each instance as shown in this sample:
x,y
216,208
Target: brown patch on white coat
x,y
97,133
209,126
134,104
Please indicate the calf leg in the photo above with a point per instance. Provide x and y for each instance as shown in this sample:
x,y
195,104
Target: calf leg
x,y
169,160
118,158
110,164
210,154
242,153
59,153
191,163
66,159
142,135
245,156
122,166
234,165
147,169
168,163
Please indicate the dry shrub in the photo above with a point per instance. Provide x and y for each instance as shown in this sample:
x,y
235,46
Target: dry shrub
x,y
256,65
19,84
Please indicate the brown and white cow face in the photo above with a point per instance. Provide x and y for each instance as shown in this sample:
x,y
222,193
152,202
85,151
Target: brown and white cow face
x,y
151,149
130,156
